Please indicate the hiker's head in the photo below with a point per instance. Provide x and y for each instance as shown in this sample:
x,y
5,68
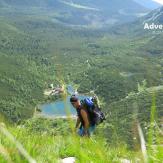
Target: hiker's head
x,y
75,101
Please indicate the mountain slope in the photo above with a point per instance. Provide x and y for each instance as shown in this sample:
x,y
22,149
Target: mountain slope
x,y
92,13
29,3
138,28
136,107
148,3
156,16
103,4
155,35
111,4
48,45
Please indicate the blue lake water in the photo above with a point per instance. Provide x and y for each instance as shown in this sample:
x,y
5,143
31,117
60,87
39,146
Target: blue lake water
x,y
59,108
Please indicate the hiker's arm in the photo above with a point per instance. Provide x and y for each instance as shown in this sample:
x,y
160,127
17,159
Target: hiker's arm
x,y
86,121
77,123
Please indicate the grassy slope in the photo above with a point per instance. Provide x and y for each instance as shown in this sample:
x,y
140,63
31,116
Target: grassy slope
x,y
127,112
51,140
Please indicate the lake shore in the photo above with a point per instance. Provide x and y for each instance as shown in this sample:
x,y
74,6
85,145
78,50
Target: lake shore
x,y
55,116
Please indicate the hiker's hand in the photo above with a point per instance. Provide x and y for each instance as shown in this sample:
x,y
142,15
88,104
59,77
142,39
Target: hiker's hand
x,y
86,133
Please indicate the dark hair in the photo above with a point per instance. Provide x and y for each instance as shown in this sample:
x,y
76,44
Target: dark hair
x,y
74,98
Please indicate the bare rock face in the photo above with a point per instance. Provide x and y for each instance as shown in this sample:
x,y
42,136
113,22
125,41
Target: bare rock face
x,y
68,160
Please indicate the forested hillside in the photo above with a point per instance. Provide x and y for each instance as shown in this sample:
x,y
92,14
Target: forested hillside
x,y
111,67
44,42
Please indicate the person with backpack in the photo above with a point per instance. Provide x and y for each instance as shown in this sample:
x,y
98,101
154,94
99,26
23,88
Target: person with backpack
x,y
88,115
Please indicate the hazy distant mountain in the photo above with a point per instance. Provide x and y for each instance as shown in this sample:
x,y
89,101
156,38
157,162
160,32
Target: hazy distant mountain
x,y
85,13
151,4
156,16
137,27
151,32
30,3
111,5
153,20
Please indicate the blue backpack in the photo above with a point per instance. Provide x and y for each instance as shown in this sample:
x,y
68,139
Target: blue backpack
x,y
92,107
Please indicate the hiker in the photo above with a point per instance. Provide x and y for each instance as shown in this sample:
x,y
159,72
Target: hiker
x,y
84,119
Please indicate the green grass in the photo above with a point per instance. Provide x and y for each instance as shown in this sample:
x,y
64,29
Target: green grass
x,y
47,148
155,148
49,140
124,114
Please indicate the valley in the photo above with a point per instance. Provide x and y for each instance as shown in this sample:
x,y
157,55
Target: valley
x,y
81,43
